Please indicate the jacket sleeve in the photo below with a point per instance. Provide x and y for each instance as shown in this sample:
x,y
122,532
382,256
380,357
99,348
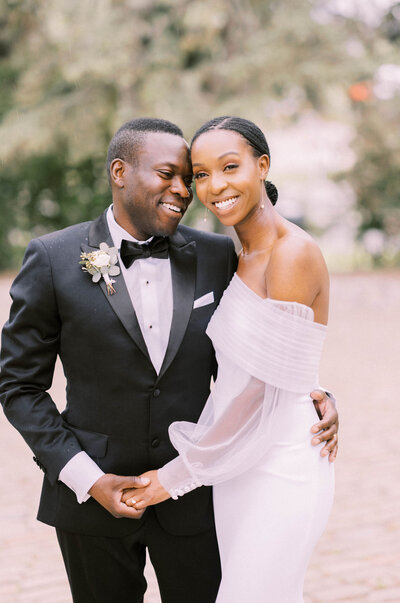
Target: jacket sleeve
x,y
30,344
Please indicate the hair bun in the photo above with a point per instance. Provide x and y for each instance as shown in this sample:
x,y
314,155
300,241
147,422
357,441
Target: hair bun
x,y
272,192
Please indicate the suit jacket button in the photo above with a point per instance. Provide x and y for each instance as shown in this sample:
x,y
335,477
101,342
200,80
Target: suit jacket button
x,y
155,443
156,393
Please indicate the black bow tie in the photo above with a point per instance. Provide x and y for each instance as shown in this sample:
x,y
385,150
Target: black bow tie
x,y
131,251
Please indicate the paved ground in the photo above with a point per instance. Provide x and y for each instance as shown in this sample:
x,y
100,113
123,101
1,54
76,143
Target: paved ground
x,y
358,558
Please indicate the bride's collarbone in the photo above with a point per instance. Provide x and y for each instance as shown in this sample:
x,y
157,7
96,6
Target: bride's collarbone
x,y
253,276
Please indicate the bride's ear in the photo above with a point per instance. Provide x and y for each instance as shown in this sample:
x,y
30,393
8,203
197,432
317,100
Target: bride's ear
x,y
263,166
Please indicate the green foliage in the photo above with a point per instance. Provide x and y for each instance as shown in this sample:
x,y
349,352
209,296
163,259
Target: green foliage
x,y
375,176
72,71
47,192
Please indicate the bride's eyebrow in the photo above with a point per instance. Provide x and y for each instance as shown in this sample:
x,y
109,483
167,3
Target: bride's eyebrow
x,y
228,153
220,157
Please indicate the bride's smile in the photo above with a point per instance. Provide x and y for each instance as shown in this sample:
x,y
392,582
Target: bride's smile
x,y
229,178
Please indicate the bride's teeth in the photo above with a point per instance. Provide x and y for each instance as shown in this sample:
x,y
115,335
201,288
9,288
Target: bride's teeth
x,y
173,207
226,203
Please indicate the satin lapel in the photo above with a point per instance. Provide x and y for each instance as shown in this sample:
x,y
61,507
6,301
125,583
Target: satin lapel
x,y
120,300
183,270
98,231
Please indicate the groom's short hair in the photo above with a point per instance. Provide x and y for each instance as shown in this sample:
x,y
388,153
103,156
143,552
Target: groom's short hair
x,y
128,139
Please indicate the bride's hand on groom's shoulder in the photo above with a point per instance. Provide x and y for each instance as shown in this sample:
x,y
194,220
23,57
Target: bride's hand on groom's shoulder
x,y
140,498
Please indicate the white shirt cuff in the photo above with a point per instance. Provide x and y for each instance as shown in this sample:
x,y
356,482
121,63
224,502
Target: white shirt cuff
x,y
79,474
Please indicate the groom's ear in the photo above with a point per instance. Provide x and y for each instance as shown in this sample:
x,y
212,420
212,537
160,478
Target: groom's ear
x,y
117,172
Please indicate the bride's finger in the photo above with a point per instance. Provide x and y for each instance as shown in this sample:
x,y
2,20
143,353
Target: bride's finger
x,y
130,502
136,499
141,504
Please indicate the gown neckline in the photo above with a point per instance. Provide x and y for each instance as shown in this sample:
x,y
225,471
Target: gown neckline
x,y
279,301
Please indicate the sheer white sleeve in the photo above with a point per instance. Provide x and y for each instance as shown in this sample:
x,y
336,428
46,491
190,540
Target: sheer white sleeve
x,y
264,348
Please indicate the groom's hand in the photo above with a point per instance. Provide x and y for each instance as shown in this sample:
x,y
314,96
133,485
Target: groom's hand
x,y
327,428
108,491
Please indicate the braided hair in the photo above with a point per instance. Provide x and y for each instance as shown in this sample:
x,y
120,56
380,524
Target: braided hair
x,y
253,136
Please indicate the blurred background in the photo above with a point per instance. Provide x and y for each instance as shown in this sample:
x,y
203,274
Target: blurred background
x,y
322,79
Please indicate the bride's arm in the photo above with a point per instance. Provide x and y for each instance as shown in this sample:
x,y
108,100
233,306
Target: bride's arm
x,y
297,272
222,446
211,450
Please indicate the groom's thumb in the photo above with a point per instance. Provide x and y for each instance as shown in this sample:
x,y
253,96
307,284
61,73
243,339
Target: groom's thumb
x,y
138,482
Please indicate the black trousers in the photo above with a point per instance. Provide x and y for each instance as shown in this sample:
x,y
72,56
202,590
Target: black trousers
x,y
105,570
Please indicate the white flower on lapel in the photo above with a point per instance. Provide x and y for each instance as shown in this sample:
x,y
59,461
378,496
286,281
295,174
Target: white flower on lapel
x,y
102,263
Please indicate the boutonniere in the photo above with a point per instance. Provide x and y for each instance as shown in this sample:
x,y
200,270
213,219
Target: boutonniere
x,y
102,263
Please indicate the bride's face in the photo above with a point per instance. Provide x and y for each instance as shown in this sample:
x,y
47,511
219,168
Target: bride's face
x,y
229,179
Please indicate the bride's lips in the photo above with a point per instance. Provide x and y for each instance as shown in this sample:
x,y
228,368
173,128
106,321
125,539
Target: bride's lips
x,y
225,205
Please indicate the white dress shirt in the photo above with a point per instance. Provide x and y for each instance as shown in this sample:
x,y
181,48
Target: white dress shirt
x,y
149,285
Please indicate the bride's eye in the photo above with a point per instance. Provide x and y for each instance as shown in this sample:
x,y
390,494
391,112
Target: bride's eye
x,y
231,166
199,175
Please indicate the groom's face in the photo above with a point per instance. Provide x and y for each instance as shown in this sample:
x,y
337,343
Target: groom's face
x,y
156,189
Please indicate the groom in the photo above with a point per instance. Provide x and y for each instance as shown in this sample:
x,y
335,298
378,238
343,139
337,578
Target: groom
x,y
136,358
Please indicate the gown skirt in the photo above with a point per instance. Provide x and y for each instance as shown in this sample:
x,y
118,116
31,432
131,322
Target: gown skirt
x,y
272,490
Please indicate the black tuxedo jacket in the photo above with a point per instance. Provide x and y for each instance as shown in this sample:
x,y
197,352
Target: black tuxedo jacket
x,y
118,409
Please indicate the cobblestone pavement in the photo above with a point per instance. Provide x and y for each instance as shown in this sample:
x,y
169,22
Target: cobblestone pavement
x,y
358,558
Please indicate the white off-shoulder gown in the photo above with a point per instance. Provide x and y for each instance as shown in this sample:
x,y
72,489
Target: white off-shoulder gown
x,y
272,490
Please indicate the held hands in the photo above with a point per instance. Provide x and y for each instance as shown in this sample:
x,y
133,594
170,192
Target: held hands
x,y
108,491
154,493
328,426
129,496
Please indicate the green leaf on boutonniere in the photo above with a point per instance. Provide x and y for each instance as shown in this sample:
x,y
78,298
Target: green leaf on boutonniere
x,y
102,263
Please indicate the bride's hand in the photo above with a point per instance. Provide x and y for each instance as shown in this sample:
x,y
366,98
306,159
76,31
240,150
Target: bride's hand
x,y
153,494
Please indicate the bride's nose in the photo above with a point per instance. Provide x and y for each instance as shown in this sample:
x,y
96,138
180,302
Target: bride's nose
x,y
217,183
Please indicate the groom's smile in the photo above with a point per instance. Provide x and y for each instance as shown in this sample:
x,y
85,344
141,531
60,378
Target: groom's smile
x,y
152,193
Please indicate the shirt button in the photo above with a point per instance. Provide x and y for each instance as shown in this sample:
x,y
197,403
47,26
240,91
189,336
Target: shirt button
x,y
150,326
155,443
156,393
147,283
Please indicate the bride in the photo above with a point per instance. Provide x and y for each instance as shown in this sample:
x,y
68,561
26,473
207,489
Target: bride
x,y
272,493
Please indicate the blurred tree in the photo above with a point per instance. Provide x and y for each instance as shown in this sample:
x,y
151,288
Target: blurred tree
x,y
73,71
375,179
375,176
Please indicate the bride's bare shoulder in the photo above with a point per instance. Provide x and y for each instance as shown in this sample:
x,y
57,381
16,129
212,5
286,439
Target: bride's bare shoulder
x,y
295,245
296,269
